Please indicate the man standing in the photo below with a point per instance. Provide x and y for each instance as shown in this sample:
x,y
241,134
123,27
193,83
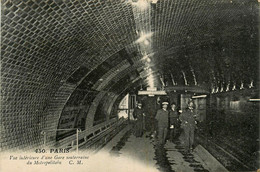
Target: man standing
x,y
174,121
188,124
162,119
138,115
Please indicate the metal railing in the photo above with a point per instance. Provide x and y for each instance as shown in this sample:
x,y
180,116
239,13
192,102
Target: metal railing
x,y
44,133
87,135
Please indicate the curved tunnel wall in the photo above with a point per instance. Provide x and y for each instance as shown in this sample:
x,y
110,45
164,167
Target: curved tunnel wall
x,y
87,107
40,50
51,51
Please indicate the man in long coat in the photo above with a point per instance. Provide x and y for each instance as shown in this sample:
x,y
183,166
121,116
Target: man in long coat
x,y
188,124
162,125
138,115
174,121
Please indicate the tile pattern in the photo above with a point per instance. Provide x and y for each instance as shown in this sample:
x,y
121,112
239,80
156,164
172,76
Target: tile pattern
x,y
45,42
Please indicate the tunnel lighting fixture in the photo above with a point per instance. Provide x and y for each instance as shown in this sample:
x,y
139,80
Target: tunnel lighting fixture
x,y
152,93
241,86
221,89
194,76
227,89
148,60
146,42
150,80
146,68
144,37
141,4
254,100
251,84
162,81
145,57
173,82
234,87
184,77
151,89
200,96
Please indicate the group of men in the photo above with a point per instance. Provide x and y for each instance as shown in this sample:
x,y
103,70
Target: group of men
x,y
169,120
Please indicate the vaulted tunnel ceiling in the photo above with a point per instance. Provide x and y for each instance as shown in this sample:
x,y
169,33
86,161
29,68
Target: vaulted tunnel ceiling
x,y
212,43
63,59
50,42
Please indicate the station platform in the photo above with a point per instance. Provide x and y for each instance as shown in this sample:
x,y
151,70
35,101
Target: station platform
x,y
130,153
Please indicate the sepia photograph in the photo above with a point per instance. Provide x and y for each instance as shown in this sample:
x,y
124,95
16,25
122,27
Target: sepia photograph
x,y
130,86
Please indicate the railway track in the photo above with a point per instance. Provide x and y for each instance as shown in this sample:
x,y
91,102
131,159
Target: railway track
x,y
233,159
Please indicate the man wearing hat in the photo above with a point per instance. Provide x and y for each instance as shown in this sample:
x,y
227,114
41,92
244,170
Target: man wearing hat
x,y
138,115
188,124
174,121
162,119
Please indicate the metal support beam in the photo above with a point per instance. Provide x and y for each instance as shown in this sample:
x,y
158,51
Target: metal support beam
x,y
194,89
